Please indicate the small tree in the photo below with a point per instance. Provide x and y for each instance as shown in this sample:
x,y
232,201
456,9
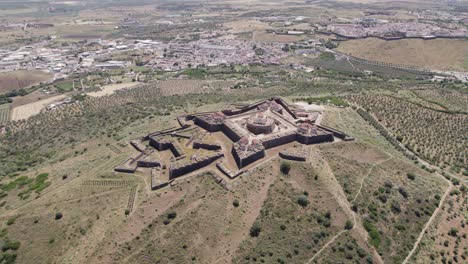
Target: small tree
x,y
235,203
58,216
411,176
302,201
285,167
255,230
171,215
453,232
349,225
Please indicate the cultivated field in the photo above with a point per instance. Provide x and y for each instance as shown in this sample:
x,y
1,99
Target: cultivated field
x,y
446,240
437,136
21,79
433,54
445,99
28,110
4,113
111,88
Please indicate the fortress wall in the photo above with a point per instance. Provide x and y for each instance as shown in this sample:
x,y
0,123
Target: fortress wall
x,y
243,109
138,146
290,156
204,145
161,146
228,172
307,140
177,171
271,142
335,132
176,149
231,133
208,126
148,163
285,106
126,167
246,160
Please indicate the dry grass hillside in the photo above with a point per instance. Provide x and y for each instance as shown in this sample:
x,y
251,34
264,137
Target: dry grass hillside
x,y
438,54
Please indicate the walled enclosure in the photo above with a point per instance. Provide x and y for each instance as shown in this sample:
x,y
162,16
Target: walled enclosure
x,y
251,131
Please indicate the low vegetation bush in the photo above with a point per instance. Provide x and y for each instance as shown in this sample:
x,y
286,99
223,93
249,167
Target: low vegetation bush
x,y
285,167
58,216
411,176
302,200
255,230
349,225
374,234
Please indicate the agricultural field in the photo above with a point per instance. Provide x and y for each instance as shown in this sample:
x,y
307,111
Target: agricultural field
x,y
28,110
173,87
437,136
16,80
445,240
441,54
112,88
4,113
446,99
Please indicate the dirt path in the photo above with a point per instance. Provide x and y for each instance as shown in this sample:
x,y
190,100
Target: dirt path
x,y
347,207
367,175
428,223
325,246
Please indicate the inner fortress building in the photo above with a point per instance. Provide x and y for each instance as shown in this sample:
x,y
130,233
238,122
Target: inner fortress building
x,y
229,142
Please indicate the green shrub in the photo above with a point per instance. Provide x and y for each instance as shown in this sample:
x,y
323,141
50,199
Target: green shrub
x,y
11,221
373,233
8,258
411,176
235,203
255,230
302,200
453,232
285,167
171,215
349,225
58,216
13,245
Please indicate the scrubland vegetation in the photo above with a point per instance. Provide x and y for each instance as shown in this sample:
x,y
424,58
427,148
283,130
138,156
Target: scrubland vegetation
x,y
284,214
393,206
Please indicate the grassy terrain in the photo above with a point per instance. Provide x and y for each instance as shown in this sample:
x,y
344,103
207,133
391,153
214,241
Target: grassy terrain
x,y
434,54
